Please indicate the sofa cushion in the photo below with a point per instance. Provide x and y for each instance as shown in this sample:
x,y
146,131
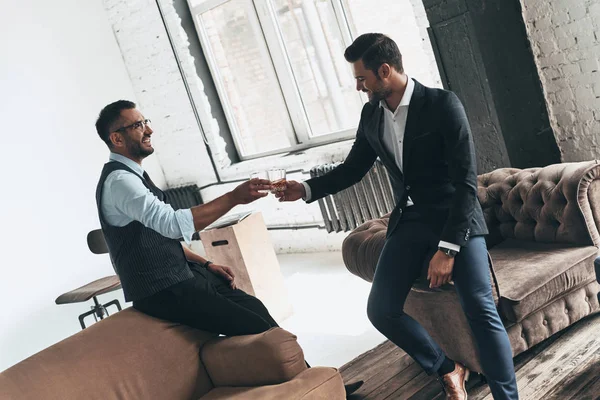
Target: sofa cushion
x,y
128,355
362,247
530,275
553,204
319,383
234,361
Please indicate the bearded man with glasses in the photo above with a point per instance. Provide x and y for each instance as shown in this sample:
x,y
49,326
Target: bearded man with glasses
x,y
160,276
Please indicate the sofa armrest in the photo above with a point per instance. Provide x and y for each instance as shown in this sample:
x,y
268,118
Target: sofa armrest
x,y
267,358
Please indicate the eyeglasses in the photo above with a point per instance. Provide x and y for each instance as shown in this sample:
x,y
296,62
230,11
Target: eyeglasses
x,y
136,125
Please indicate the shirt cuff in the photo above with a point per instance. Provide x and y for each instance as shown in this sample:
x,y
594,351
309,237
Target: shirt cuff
x,y
450,246
307,190
186,224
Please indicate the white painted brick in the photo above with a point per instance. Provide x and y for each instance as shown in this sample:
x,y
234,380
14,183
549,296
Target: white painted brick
x,y
571,70
556,84
586,39
560,18
584,95
547,47
583,80
558,33
543,23
594,9
573,98
564,95
553,60
535,10
569,106
565,43
574,55
589,65
577,10
580,26
562,4
588,116
565,119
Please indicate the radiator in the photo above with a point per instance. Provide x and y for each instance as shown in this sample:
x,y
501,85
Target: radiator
x,y
368,199
183,197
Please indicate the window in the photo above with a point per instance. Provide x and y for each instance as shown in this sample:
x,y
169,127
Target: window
x,y
279,67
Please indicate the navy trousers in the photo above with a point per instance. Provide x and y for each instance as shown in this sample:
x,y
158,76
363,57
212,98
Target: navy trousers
x,y
405,253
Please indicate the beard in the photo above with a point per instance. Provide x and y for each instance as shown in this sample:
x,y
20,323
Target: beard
x,y
136,150
378,94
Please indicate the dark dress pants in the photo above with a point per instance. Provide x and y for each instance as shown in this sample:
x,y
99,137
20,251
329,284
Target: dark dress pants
x,y
405,253
208,302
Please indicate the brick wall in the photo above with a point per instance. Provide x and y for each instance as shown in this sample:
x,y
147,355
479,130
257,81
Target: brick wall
x,y
160,91
565,37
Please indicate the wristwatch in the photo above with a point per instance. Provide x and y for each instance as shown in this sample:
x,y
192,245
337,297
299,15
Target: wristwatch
x,y
449,252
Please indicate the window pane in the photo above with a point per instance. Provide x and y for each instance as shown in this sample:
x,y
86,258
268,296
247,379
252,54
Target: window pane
x,y
315,49
245,71
406,23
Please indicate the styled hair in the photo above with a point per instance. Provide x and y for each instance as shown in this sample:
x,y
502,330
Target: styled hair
x,y
109,116
375,49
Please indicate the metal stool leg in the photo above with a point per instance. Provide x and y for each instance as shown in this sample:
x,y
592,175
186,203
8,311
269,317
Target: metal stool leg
x,y
98,311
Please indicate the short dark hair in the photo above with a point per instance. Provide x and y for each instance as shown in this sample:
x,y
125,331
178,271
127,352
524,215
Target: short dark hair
x,y
375,49
109,116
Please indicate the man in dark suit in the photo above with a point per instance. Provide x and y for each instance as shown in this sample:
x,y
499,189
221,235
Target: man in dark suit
x,y
423,137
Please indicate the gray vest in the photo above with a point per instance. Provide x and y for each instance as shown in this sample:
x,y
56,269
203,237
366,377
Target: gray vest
x,y
146,261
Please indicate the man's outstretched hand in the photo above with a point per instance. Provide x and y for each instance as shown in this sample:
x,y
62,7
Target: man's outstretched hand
x,y
293,191
251,190
224,272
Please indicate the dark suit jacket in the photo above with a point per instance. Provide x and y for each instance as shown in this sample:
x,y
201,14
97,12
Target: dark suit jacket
x,y
438,163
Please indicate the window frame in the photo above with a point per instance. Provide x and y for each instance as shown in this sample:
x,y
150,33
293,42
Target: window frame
x,y
264,12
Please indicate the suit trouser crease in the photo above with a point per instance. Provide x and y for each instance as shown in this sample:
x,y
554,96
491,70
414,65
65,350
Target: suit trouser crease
x,y
405,253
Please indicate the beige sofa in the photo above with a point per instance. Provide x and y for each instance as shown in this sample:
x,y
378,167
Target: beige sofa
x,y
543,239
133,356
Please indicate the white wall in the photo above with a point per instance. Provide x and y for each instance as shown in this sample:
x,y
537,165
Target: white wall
x,y
59,65
565,38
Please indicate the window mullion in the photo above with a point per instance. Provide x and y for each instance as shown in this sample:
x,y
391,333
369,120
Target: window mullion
x,y
283,69
340,14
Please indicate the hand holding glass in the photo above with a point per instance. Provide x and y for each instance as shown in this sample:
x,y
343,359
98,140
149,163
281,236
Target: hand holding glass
x,y
277,178
260,175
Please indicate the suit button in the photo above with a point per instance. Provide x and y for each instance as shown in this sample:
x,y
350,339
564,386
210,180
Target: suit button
x,y
407,188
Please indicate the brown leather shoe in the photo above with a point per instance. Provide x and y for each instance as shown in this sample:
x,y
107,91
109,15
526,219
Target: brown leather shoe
x,y
454,382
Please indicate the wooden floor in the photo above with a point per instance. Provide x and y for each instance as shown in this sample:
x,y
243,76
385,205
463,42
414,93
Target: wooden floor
x,y
565,366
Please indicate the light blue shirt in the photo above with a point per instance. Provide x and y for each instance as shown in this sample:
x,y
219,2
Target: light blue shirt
x,y
125,199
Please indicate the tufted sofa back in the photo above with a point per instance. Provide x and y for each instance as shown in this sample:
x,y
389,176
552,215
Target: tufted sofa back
x,y
559,203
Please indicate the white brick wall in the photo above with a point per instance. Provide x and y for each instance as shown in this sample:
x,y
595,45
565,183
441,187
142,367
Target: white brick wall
x,y
565,37
159,87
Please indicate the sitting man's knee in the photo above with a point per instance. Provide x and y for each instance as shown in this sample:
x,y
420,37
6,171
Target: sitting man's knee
x,y
379,313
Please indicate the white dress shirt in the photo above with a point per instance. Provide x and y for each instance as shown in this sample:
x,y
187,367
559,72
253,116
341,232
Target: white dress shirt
x,y
125,199
394,125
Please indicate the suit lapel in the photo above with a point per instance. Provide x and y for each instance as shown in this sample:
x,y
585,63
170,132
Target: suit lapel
x,y
375,129
414,110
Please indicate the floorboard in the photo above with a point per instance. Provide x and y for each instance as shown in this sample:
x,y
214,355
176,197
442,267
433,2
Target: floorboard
x,y
565,366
